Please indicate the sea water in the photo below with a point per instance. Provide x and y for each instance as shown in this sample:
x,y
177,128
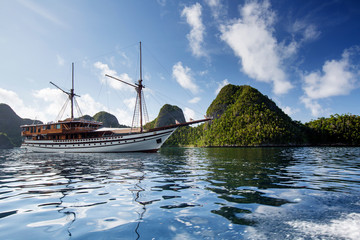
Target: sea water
x,y
182,193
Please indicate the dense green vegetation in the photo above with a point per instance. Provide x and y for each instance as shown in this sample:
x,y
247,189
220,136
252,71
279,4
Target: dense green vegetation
x,y
337,129
168,115
242,116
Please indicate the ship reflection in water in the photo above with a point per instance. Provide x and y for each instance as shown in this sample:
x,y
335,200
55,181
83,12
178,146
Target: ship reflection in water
x,y
187,193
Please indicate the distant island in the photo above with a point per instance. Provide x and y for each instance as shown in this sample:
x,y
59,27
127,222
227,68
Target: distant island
x,y
242,116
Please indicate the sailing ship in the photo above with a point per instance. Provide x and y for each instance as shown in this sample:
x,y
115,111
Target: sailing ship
x,y
87,136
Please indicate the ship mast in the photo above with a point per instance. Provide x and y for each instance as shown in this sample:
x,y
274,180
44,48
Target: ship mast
x,y
138,87
71,94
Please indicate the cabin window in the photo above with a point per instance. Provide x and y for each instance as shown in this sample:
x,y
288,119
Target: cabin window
x,y
57,126
38,130
158,141
44,127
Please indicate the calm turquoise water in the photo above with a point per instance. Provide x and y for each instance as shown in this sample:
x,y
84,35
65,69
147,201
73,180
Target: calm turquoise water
x,y
182,193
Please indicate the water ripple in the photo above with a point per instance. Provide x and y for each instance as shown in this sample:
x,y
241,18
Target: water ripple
x,y
228,193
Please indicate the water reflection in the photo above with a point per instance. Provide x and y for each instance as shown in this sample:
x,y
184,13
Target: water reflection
x,y
178,193
239,176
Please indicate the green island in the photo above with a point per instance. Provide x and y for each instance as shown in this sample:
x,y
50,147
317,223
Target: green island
x,y
241,116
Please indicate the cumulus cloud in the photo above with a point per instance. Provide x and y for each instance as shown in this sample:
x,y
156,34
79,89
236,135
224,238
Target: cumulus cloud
x,y
89,106
195,100
290,111
130,103
10,98
196,35
104,69
184,77
337,77
221,85
252,40
189,113
17,104
51,101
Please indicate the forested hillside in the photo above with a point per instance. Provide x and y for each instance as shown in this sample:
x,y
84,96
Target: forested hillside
x,y
337,129
242,116
168,115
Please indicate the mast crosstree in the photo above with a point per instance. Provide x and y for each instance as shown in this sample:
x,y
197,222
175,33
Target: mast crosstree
x,y
71,94
140,107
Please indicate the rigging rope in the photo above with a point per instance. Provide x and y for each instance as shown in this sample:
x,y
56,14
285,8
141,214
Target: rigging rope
x,y
61,113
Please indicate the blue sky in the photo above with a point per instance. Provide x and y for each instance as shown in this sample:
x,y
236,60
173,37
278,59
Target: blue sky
x,y
302,54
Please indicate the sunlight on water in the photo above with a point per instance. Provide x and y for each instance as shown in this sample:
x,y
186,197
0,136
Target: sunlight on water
x,y
346,227
182,193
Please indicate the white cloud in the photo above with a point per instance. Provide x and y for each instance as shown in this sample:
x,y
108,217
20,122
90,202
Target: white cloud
x,y
48,103
290,111
60,60
251,38
308,30
195,100
189,113
337,77
51,102
10,98
89,106
17,104
216,8
130,103
196,35
313,105
124,117
221,85
184,77
112,82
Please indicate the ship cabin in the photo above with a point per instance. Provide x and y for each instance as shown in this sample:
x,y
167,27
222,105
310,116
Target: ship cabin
x,y
61,130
